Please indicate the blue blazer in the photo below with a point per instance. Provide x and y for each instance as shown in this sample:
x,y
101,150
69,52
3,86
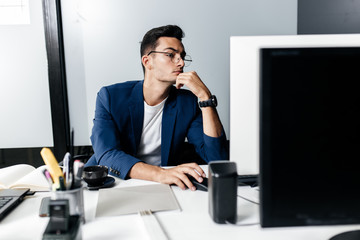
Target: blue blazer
x,y
118,126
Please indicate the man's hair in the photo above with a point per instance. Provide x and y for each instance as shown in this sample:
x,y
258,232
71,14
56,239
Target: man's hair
x,y
150,40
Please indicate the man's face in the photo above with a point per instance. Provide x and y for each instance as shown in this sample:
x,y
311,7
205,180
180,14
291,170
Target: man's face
x,y
166,61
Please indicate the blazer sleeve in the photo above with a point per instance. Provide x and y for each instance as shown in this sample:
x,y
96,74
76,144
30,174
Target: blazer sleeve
x,y
105,138
208,148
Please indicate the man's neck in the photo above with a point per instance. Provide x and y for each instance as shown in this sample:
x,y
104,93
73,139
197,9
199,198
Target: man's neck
x,y
155,91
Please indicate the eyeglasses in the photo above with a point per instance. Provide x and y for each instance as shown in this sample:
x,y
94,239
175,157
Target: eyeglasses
x,y
172,55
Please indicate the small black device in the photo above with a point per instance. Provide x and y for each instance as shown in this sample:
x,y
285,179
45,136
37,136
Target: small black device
x,y
212,102
59,215
61,225
223,191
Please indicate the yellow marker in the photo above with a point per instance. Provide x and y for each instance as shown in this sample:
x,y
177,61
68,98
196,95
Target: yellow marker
x,y
52,164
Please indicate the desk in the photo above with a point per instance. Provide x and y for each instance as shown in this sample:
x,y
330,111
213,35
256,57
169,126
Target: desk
x,y
193,222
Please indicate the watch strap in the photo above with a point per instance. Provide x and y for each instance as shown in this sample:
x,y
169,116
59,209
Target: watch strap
x,y
212,102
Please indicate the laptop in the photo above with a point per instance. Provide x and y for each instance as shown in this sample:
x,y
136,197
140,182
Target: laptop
x,y
10,199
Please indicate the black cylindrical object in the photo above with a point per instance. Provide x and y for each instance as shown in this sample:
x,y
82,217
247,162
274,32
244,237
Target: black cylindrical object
x,y
222,188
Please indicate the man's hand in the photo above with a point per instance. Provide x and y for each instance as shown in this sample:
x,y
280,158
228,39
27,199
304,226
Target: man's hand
x,y
211,122
176,175
194,83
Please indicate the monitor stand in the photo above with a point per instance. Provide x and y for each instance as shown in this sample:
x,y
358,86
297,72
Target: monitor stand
x,y
351,235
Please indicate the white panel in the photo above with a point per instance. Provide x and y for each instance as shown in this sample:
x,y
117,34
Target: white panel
x,y
244,89
24,89
102,43
14,12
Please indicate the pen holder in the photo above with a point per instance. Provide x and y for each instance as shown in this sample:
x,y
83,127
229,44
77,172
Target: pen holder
x,y
76,201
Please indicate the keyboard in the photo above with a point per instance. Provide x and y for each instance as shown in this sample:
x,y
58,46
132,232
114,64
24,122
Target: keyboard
x,y
251,180
10,199
4,201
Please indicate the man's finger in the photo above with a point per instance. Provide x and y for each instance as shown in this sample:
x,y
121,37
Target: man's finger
x,y
178,182
187,182
195,169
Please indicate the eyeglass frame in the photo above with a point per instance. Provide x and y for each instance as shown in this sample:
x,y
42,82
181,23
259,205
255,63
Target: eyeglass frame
x,y
188,61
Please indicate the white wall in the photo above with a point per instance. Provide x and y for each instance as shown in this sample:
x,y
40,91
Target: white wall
x,y
102,43
24,90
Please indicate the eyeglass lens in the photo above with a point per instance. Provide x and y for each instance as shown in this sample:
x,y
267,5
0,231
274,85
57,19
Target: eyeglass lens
x,y
175,58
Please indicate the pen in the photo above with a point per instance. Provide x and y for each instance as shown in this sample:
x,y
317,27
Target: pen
x,y
62,184
66,168
52,165
78,169
48,177
71,167
70,181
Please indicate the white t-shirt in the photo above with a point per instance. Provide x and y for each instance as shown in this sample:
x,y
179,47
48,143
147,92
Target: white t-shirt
x,y
150,142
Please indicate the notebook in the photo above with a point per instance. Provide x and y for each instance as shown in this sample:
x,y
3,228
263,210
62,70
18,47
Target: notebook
x,y
130,200
10,199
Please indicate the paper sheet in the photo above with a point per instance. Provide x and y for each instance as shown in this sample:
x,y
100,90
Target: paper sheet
x,y
129,200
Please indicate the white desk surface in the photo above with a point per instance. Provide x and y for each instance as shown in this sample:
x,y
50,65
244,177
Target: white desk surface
x,y
192,222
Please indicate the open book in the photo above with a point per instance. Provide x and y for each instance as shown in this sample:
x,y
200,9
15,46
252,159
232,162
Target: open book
x,y
23,176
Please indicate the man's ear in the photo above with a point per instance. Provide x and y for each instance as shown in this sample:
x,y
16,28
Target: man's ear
x,y
146,61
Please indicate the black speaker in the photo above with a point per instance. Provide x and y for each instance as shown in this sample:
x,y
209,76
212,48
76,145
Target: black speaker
x,y
222,189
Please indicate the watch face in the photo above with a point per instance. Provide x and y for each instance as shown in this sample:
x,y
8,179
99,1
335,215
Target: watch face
x,y
214,101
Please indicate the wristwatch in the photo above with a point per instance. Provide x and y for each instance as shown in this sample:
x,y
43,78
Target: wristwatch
x,y
212,102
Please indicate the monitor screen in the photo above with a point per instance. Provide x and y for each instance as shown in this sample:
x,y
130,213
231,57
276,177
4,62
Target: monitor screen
x,y
309,136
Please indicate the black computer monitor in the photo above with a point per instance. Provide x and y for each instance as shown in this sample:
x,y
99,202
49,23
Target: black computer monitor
x,y
309,136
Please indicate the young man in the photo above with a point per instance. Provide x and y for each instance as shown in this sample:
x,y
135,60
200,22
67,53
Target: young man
x,y
142,125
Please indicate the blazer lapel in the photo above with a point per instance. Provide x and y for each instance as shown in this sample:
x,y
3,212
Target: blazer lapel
x,y
168,125
136,109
